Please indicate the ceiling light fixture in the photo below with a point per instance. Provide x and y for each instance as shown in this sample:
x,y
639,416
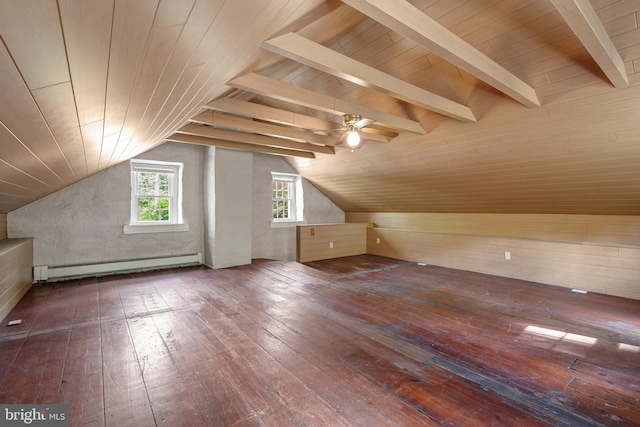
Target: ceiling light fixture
x,y
353,138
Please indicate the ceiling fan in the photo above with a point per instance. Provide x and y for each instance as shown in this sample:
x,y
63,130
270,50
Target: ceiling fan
x,y
354,124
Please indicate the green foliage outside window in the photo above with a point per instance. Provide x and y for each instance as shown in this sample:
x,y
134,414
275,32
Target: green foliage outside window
x,y
153,203
153,209
281,199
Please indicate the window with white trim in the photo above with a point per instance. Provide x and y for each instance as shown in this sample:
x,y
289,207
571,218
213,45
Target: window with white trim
x,y
286,197
156,197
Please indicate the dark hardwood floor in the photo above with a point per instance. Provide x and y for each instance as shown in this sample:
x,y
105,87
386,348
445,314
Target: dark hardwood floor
x,y
362,340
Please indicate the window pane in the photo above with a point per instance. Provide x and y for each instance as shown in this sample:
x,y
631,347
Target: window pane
x,y
163,184
153,184
146,183
153,209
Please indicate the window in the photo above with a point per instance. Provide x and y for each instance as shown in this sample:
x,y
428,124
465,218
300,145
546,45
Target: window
x,y
283,202
156,197
286,198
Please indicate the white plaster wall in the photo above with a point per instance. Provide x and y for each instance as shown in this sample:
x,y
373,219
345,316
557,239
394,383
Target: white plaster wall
x,y
209,187
280,243
83,223
233,177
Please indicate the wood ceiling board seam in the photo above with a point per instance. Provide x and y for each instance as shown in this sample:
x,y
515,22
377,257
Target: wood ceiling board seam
x,y
405,19
24,121
189,106
170,14
196,95
16,178
183,60
58,107
92,134
160,44
620,26
172,105
273,88
163,102
132,22
183,56
329,61
22,160
628,44
107,148
87,34
32,33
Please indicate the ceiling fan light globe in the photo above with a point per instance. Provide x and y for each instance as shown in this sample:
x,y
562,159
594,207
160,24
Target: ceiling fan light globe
x,y
353,139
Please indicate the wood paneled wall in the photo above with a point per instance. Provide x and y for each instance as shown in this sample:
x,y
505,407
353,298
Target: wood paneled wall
x,y
594,253
325,241
16,263
3,226
614,229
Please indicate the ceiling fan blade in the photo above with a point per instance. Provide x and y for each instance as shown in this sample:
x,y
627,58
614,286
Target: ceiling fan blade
x,y
363,122
383,132
342,139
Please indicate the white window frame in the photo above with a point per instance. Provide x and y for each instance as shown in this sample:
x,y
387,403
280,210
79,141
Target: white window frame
x,y
296,209
175,222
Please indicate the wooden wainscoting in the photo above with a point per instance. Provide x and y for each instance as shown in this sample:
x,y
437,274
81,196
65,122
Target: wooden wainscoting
x,y
16,263
616,229
324,241
594,253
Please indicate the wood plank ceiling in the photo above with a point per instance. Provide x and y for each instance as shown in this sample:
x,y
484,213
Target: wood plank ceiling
x,y
500,106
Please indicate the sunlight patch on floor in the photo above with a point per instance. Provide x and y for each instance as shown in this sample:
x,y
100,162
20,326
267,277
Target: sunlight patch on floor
x,y
561,335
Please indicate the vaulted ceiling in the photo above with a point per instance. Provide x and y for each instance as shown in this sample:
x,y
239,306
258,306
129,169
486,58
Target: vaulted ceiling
x,y
499,106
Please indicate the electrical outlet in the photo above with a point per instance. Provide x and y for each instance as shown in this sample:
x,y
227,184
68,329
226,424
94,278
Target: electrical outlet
x,y
330,245
507,256
378,240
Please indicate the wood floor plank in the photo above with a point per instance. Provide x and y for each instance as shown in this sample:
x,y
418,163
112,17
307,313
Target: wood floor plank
x,y
87,308
36,373
9,349
109,302
81,386
59,307
126,401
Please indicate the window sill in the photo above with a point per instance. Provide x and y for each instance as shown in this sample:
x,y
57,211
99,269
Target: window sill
x,y
155,228
286,224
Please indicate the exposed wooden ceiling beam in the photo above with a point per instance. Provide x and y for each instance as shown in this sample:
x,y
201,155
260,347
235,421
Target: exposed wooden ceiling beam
x,y
266,86
249,138
409,21
329,61
583,20
236,123
271,114
276,115
212,142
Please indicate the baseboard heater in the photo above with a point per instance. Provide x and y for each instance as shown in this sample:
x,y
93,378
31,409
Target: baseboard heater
x,y
47,273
